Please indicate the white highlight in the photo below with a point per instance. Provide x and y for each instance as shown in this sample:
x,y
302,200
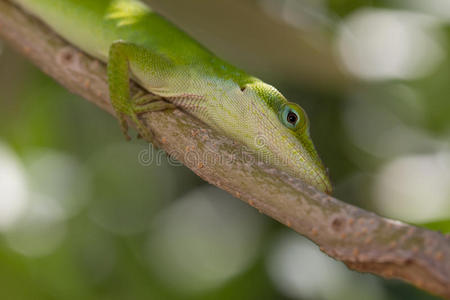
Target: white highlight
x,y
415,188
13,188
41,230
439,8
61,177
301,271
381,44
203,240
307,15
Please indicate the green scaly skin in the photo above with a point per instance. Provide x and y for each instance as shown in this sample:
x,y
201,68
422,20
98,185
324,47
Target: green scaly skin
x,y
138,43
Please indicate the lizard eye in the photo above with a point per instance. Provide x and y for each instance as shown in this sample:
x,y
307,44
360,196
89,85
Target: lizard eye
x,y
293,117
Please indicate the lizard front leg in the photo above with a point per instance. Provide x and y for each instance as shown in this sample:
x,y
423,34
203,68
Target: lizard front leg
x,y
121,55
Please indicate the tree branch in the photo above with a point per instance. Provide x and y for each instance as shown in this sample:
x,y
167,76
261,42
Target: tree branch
x,y
360,239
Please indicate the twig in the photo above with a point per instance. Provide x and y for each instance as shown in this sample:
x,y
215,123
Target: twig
x,y
362,240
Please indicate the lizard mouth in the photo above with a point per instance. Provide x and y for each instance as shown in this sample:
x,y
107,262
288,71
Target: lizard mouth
x,y
325,182
310,170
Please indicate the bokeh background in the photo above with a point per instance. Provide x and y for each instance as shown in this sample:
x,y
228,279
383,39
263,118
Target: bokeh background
x,y
81,217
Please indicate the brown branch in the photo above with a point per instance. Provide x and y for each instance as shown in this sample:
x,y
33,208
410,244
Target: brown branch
x,y
360,239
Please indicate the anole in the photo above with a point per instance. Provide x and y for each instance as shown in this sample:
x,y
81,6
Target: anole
x,y
137,43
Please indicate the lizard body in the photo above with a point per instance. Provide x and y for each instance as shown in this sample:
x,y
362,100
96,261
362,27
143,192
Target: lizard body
x,y
137,42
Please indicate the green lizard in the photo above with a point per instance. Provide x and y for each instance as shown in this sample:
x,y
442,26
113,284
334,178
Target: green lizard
x,y
136,42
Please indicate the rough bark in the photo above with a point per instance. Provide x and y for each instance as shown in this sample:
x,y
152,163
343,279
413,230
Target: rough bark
x,y
362,240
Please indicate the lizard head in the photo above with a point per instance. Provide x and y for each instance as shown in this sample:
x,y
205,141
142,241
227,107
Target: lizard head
x,y
282,135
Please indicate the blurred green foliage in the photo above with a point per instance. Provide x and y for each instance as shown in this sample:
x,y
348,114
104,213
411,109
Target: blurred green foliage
x,y
442,226
95,222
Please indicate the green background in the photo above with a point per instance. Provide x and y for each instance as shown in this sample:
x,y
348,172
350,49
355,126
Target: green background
x,y
82,217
